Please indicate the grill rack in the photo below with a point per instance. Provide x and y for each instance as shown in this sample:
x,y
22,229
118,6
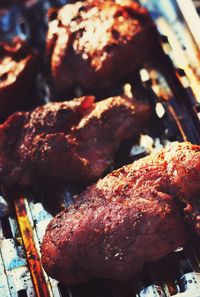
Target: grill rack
x,y
21,232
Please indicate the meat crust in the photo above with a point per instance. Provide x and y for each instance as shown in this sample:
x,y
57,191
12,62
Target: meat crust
x,y
73,140
131,216
96,44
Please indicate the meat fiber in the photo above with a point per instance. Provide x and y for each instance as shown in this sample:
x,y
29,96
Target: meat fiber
x,y
133,215
73,140
96,44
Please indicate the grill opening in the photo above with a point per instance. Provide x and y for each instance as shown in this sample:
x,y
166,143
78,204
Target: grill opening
x,y
22,293
6,228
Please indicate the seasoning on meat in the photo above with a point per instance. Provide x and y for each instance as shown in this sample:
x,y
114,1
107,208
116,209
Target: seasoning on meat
x,y
133,215
96,44
73,140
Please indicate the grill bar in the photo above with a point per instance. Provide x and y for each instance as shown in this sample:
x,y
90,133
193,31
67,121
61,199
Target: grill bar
x,y
4,287
16,270
163,64
32,254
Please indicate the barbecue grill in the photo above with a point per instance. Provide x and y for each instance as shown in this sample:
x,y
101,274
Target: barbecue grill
x,y
172,91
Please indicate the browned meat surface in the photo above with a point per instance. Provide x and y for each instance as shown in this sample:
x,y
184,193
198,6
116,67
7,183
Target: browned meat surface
x,y
17,76
74,140
131,216
96,44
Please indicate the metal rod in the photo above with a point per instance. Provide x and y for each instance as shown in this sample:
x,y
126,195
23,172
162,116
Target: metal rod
x,y
32,255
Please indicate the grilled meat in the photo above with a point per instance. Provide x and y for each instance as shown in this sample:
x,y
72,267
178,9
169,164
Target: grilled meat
x,y
131,216
18,68
73,140
96,44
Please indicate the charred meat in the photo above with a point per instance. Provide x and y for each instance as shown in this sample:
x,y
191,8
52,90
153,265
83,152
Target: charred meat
x,y
133,215
73,140
96,44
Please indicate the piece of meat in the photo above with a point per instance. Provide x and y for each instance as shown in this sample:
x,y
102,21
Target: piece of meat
x,y
133,215
18,69
96,44
73,140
